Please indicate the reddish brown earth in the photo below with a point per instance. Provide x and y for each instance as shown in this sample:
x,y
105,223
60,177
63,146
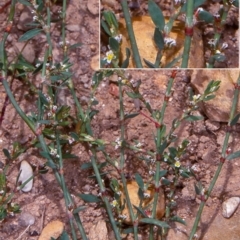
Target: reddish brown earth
x,y
45,201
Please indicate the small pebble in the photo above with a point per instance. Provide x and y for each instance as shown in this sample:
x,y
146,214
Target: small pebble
x,y
26,173
229,206
26,219
53,230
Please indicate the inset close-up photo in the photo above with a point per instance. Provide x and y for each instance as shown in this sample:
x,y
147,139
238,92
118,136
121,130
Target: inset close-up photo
x,y
169,34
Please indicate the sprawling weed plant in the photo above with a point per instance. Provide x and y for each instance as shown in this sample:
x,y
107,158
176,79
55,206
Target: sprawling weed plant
x,y
57,129
193,14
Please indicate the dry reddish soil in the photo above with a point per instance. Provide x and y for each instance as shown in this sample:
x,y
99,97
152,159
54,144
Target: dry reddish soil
x,y
45,201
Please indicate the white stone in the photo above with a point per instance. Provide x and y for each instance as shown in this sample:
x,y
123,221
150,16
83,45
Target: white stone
x,y
229,206
26,173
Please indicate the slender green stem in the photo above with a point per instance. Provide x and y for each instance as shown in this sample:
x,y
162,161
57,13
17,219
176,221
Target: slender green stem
x,y
67,200
80,114
131,35
216,175
64,8
48,31
158,59
103,191
188,33
159,141
122,162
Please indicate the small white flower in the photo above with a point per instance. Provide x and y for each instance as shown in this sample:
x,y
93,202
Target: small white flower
x,y
109,56
224,46
63,65
118,143
37,65
118,38
119,193
151,172
199,10
196,97
146,195
49,114
54,108
138,145
169,42
177,164
114,203
35,6
212,42
122,216
176,2
53,152
35,18
71,140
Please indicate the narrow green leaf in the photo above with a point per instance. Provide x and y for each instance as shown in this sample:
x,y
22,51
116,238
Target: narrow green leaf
x,y
158,39
185,174
197,189
154,222
76,45
29,34
133,95
24,2
69,156
126,61
177,219
173,62
219,57
193,118
86,166
64,236
78,209
205,16
235,120
139,181
46,122
156,14
162,147
132,115
89,198
128,230
236,3
140,211
233,155
165,182
6,154
197,3
114,44
149,64
105,27
209,97
162,173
